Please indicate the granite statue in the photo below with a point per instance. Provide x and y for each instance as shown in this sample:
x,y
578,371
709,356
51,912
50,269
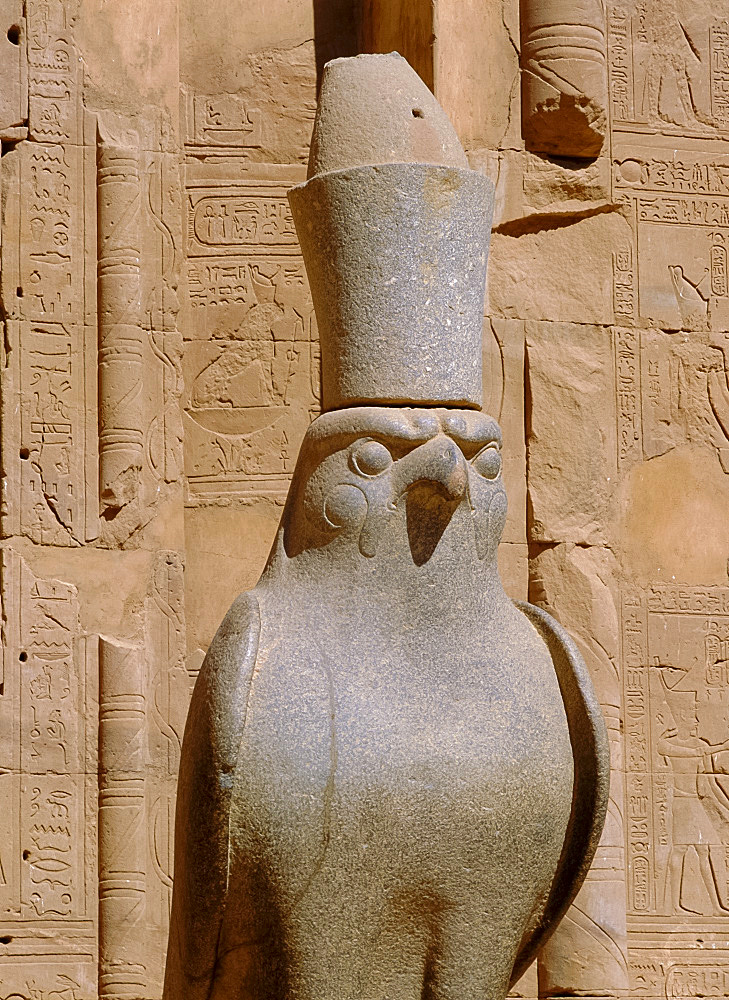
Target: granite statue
x,y
393,778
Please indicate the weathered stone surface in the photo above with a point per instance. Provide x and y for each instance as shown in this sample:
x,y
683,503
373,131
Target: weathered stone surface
x,y
222,99
672,510
564,76
571,445
361,232
535,266
322,765
376,109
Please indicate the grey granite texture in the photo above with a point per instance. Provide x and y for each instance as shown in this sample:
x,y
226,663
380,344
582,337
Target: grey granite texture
x,y
396,256
376,109
395,232
393,779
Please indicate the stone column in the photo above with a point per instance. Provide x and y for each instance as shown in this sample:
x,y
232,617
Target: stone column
x,y
564,77
120,334
122,825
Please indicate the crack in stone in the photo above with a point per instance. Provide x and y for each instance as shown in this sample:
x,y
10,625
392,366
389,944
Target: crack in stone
x,y
547,221
50,502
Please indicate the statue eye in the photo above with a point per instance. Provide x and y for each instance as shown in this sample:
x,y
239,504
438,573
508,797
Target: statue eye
x,y
488,461
371,458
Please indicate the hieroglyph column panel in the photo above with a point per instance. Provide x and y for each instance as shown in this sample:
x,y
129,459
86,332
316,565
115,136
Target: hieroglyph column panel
x,y
639,511
90,520
251,357
50,491
48,696
669,101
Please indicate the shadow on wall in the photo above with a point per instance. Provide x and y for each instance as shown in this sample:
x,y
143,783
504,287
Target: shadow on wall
x,y
336,31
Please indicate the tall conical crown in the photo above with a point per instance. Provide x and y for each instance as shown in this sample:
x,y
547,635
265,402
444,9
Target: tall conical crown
x,y
394,229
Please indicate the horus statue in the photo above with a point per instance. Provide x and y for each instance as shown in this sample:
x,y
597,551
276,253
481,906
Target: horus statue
x,y
393,777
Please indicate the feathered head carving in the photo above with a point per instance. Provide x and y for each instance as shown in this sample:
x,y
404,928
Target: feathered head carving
x,y
364,471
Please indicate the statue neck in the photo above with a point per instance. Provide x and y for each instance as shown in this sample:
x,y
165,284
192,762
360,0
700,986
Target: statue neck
x,y
396,584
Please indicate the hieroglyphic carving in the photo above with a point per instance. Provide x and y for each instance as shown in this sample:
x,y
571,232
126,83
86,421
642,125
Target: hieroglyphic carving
x,y
670,169
659,55
120,334
719,49
564,77
162,225
54,97
675,644
49,382
252,217
669,392
624,289
637,761
14,70
32,979
627,375
47,887
70,175
220,122
44,433
251,373
621,65
678,206
225,120
122,833
258,124
168,687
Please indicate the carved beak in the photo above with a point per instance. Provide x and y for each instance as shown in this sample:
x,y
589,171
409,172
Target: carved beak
x,y
433,479
439,463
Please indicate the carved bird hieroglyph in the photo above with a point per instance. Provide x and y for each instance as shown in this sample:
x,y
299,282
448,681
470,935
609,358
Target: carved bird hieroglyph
x,y
393,778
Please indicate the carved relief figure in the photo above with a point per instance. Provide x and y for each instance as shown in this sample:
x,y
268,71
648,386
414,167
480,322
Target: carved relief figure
x,y
253,382
674,63
693,302
718,390
691,826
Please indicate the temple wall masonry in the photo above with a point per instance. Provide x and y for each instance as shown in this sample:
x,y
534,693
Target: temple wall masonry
x,y
159,367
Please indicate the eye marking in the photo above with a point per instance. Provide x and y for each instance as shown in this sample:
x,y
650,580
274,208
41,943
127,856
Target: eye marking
x,y
371,459
344,506
488,461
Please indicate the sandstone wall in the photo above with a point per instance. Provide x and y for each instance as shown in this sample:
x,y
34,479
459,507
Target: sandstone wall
x,y
158,368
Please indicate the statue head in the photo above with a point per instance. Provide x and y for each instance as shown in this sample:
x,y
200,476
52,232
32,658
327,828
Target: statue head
x,y
373,477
